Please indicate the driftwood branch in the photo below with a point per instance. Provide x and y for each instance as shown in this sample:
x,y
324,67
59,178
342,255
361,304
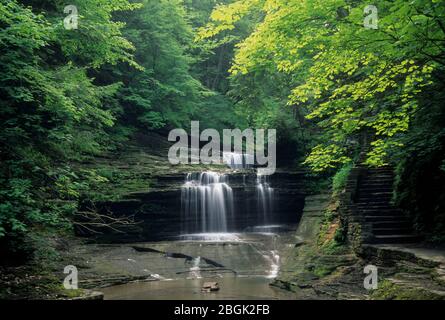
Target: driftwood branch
x,y
93,221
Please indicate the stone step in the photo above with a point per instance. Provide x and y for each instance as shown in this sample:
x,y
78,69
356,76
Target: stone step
x,y
370,171
391,224
376,180
379,174
372,189
382,212
379,170
370,206
390,231
376,177
364,193
375,206
396,238
385,218
365,198
389,171
378,203
372,197
376,183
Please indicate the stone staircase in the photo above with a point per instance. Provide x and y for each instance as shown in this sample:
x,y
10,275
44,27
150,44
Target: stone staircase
x,y
382,222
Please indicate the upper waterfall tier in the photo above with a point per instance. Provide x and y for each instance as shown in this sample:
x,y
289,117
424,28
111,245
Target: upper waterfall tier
x,y
238,160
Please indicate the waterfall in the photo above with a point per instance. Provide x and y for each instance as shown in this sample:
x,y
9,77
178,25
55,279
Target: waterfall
x,y
207,203
238,160
206,200
265,198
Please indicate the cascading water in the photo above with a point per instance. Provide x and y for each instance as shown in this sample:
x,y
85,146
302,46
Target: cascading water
x,y
265,198
207,201
238,160
275,264
195,270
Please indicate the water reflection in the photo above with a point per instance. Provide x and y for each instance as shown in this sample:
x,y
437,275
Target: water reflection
x,y
242,288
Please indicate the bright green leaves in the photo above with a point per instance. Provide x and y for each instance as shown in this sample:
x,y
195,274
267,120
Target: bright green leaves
x,y
98,39
224,17
324,157
22,28
349,78
378,155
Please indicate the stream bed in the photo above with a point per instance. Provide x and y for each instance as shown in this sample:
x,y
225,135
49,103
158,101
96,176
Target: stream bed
x,y
244,265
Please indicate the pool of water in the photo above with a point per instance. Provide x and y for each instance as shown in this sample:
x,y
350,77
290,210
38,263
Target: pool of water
x,y
231,288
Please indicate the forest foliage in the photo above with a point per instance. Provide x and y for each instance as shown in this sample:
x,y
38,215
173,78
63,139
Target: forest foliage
x,y
345,77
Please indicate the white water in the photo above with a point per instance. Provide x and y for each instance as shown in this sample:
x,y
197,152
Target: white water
x,y
267,229
265,198
207,203
238,160
195,270
274,265
211,237
207,200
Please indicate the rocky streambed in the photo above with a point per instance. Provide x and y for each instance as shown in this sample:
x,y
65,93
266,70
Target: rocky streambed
x,y
238,261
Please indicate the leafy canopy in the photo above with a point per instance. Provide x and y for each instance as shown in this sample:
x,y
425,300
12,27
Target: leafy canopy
x,y
350,79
